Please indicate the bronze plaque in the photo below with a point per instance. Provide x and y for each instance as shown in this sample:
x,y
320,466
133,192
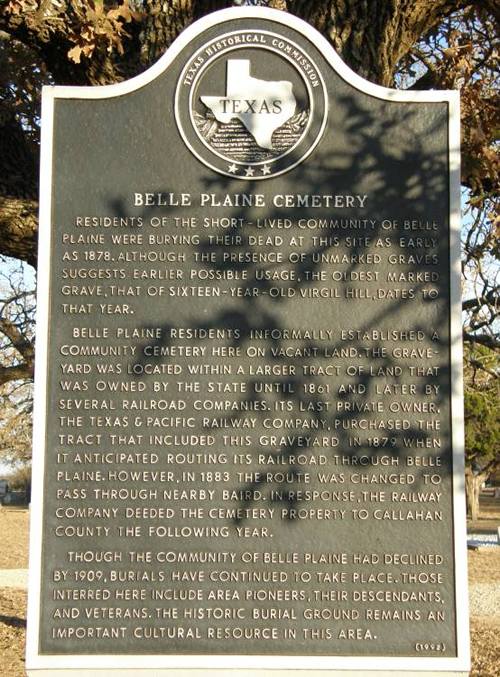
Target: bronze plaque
x,y
247,419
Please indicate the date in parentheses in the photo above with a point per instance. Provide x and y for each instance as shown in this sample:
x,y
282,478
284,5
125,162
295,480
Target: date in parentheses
x,y
430,647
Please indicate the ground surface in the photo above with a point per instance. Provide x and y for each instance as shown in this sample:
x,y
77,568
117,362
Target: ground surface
x,y
484,572
14,539
489,515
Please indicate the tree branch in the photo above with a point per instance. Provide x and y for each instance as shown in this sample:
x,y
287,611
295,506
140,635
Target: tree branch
x,y
18,189
18,229
23,345
479,365
476,302
17,372
492,342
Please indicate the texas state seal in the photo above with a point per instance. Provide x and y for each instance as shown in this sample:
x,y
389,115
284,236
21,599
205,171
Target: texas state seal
x,y
251,104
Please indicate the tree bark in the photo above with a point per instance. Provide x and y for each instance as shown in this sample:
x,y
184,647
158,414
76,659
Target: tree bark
x,y
18,191
371,36
19,228
164,20
20,372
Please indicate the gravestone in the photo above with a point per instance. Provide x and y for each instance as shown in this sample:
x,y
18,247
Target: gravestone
x,y
248,433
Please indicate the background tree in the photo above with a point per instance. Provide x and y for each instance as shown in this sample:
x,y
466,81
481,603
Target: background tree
x,y
482,421
424,44
19,479
17,332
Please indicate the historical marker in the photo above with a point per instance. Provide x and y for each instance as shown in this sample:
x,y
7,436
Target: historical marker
x,y
248,433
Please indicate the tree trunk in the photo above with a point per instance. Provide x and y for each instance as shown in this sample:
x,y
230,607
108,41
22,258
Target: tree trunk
x,y
165,19
473,485
18,192
371,36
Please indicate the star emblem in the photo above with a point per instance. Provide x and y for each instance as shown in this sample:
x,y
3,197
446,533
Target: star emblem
x,y
266,169
232,169
249,171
